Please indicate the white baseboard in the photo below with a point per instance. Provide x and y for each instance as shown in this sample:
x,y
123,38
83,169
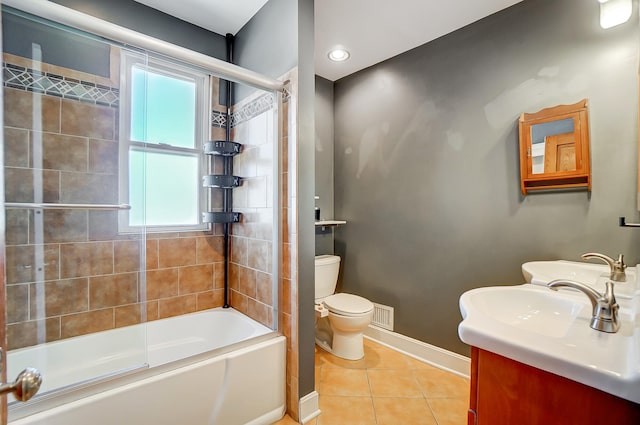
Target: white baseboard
x,y
436,356
308,407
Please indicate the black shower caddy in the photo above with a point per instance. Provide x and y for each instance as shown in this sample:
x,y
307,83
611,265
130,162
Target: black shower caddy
x,y
226,181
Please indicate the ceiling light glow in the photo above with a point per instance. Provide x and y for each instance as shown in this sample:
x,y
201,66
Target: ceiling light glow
x,y
615,12
338,55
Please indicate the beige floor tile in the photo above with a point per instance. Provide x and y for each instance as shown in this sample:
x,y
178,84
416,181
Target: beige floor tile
x,y
329,360
377,356
449,411
436,382
346,411
345,382
393,383
395,410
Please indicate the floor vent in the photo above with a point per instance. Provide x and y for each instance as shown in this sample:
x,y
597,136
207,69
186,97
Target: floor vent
x,y
382,316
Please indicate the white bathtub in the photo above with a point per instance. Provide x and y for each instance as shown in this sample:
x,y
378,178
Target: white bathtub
x,y
212,367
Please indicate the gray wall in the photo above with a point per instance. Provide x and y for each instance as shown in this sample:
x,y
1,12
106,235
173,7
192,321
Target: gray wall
x,y
324,162
268,43
278,38
154,23
426,160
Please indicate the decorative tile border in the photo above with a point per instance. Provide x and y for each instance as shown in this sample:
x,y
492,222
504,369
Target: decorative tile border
x,y
252,109
218,119
21,78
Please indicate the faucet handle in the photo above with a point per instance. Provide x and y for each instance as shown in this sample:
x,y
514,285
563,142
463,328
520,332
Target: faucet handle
x,y
616,267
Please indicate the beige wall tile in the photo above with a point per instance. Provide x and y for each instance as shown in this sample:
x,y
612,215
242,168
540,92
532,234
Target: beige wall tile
x,y
18,110
195,279
17,226
63,226
259,254
126,256
239,301
16,147
103,225
19,185
113,290
234,276
176,252
218,275
256,192
161,283
21,263
86,323
259,312
59,297
210,299
209,249
135,313
60,152
103,156
83,119
176,306
26,334
17,303
239,250
264,288
152,253
86,259
247,281
88,188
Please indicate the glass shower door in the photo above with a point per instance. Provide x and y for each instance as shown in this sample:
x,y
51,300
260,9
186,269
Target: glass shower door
x,y
70,273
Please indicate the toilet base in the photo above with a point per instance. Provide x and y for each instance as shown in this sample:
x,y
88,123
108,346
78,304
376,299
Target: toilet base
x,y
348,346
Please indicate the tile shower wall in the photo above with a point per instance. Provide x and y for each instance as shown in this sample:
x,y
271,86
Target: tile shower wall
x,y
250,269
80,276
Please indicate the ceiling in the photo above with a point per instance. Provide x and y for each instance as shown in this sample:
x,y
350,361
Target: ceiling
x,y
371,30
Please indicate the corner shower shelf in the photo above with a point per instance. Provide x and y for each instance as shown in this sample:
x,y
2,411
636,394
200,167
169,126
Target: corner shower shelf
x,y
222,148
227,150
221,217
221,181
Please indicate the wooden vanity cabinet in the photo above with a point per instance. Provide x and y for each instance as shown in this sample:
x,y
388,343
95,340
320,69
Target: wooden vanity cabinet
x,y
506,392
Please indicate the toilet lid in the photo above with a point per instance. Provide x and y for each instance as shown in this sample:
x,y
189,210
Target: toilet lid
x,y
348,304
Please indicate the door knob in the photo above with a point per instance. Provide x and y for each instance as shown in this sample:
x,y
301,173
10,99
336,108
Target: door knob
x,y
25,386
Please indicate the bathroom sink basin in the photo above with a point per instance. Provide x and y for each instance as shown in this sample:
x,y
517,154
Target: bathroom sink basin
x,y
594,275
550,330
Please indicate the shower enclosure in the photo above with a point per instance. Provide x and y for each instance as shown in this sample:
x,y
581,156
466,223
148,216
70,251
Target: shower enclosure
x,y
115,192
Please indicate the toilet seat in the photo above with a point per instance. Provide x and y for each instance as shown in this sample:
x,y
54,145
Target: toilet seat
x,y
348,304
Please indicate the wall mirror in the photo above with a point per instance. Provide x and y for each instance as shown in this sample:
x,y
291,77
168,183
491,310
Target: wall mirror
x,y
554,148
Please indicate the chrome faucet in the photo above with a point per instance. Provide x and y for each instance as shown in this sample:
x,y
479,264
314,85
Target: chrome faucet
x,y
605,308
616,267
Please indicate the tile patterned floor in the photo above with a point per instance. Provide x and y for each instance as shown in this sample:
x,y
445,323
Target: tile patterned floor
x,y
386,388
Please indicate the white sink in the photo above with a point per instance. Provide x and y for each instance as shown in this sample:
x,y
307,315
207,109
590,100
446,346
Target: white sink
x,y
594,275
550,330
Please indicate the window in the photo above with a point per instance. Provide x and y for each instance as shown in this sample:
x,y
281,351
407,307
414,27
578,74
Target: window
x,y
164,111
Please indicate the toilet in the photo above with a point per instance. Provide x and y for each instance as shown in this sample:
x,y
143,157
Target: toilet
x,y
340,318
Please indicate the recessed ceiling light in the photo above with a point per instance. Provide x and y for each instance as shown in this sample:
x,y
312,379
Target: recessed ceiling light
x,y
338,55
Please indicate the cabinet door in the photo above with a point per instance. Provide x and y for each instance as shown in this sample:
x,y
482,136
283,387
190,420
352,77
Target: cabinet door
x,y
509,393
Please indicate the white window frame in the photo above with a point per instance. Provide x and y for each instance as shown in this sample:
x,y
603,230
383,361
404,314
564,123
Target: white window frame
x,y
202,130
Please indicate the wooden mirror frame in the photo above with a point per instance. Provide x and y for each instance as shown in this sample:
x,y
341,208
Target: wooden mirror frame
x,y
578,178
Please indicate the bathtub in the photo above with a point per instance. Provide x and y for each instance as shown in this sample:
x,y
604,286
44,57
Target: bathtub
x,y
212,367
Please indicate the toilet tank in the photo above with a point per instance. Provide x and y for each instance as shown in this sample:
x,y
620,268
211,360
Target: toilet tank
x,y
327,268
